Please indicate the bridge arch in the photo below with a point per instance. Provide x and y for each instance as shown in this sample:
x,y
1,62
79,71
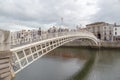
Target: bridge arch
x,y
27,54
91,38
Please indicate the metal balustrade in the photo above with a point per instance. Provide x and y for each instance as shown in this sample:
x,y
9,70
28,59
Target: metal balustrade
x,y
27,52
28,40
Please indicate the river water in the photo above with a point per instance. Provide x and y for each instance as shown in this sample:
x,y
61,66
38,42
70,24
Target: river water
x,y
107,65
62,63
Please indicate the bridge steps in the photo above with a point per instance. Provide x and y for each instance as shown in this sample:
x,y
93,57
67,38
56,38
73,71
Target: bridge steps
x,y
2,61
2,66
6,78
5,69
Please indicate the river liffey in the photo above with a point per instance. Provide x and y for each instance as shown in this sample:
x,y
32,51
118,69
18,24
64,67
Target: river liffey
x,y
106,66
66,62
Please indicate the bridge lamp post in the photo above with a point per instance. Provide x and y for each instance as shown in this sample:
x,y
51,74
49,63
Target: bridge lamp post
x,y
39,33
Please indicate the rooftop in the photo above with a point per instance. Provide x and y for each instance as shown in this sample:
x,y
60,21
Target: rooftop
x,y
96,23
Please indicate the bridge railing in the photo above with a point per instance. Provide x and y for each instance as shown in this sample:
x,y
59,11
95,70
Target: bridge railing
x,y
22,56
30,39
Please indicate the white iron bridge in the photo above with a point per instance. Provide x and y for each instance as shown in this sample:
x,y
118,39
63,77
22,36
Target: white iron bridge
x,y
26,52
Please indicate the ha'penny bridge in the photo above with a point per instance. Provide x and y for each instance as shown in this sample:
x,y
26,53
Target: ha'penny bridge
x,y
16,55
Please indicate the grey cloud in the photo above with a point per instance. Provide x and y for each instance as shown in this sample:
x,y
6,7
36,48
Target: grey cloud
x,y
109,11
44,12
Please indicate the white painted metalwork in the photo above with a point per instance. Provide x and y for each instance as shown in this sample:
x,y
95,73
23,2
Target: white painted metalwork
x,y
24,55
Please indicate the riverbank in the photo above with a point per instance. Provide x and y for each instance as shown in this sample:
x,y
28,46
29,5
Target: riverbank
x,y
79,43
110,44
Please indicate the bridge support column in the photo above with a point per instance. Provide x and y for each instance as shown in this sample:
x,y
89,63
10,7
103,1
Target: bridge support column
x,y
6,72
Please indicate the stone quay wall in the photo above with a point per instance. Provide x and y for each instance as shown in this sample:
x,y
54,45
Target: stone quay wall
x,y
6,72
103,44
110,44
5,65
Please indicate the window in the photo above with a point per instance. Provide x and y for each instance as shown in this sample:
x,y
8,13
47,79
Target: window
x,y
104,27
115,33
110,32
110,27
98,28
93,29
105,38
115,28
105,33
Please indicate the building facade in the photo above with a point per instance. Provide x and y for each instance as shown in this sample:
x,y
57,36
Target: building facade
x,y
23,36
116,33
102,30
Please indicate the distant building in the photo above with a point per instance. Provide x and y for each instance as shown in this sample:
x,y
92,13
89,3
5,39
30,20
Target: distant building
x,y
18,37
116,33
102,30
23,36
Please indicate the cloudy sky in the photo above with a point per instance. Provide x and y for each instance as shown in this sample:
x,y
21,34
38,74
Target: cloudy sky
x,y
46,13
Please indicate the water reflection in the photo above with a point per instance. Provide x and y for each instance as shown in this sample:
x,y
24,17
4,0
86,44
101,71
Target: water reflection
x,y
79,53
107,66
62,63
59,64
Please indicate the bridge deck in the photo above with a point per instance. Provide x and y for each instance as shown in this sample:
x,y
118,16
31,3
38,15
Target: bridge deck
x,y
24,55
